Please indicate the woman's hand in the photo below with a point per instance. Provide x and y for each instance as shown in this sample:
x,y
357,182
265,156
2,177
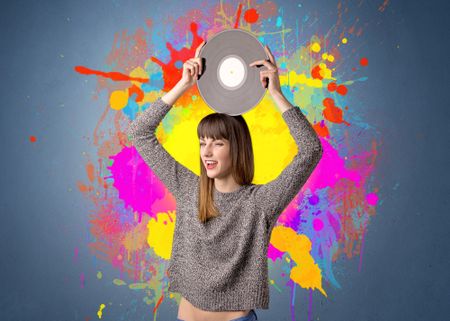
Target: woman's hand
x,y
192,68
270,75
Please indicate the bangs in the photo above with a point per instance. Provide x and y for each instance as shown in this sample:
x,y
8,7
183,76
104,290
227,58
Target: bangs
x,y
213,126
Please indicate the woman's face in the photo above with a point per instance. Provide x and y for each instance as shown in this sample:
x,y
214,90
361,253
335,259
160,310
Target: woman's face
x,y
218,151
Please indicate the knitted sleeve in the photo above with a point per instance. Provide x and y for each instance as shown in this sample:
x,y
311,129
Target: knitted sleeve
x,y
275,196
177,178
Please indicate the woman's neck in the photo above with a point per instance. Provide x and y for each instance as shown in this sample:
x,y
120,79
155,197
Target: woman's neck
x,y
226,185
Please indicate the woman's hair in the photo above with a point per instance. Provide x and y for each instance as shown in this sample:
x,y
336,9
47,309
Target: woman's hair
x,y
235,130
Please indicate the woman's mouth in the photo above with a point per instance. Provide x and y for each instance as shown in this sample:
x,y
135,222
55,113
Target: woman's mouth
x,y
210,165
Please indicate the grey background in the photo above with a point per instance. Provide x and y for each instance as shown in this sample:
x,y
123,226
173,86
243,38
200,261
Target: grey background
x,y
405,271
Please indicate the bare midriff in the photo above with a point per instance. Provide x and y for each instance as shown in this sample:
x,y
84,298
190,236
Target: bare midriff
x,y
188,312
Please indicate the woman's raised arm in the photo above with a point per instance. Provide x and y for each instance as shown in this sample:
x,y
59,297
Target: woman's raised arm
x,y
177,178
273,197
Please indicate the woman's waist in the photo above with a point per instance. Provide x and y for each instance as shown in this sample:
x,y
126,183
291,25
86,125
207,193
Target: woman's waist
x,y
188,312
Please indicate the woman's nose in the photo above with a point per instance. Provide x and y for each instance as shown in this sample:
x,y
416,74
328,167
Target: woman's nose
x,y
207,151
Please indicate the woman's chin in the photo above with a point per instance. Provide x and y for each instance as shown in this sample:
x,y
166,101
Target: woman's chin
x,y
211,175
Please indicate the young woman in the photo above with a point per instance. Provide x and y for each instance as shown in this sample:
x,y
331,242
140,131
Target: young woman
x,y
223,222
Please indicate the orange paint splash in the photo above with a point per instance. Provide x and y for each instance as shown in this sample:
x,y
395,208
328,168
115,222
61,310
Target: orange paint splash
x,y
333,113
383,6
90,170
84,188
113,75
251,16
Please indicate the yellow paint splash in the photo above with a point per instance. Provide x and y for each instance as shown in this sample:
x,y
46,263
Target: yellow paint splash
x,y
119,282
307,273
138,72
100,313
315,47
326,56
344,40
118,99
99,275
293,79
160,233
325,72
138,286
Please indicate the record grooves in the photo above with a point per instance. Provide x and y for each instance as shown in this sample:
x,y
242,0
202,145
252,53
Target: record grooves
x,y
228,84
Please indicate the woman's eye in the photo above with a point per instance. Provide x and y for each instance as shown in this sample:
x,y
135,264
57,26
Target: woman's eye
x,y
220,144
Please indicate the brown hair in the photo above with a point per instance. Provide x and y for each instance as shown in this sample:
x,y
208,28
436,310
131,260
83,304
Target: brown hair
x,y
235,130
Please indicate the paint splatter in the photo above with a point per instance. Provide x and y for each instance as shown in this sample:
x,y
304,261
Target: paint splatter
x,y
383,6
114,75
100,310
307,273
340,89
132,224
251,15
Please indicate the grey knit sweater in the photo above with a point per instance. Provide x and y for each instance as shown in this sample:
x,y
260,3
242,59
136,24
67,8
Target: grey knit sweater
x,y
222,264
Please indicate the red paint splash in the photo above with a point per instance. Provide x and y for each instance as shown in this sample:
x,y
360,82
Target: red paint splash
x,y
341,89
332,112
364,61
251,15
171,74
136,90
321,129
158,303
238,16
33,139
114,75
315,72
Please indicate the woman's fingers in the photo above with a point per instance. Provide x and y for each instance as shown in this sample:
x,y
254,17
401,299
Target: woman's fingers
x,y
265,76
266,63
198,61
269,53
197,51
194,67
195,64
262,78
190,67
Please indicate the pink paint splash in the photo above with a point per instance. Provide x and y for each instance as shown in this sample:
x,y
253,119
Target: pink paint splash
x,y
137,185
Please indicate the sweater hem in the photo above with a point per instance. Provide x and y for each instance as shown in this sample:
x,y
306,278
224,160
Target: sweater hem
x,y
245,298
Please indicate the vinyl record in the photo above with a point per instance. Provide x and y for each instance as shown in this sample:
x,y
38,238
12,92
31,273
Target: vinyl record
x,y
228,84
